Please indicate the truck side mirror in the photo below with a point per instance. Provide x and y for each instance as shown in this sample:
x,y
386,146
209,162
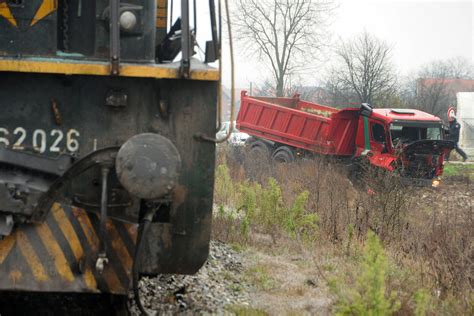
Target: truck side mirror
x,y
365,109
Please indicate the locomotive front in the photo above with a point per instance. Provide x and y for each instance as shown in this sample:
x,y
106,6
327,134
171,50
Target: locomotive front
x,y
98,144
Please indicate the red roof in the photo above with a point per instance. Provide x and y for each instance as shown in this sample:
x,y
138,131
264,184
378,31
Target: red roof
x,y
453,85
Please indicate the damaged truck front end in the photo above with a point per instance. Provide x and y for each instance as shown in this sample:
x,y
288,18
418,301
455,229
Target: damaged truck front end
x,y
409,143
422,161
420,149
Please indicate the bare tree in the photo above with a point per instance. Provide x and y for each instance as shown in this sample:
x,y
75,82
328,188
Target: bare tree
x,y
288,34
433,87
311,93
265,88
458,68
366,68
433,95
338,93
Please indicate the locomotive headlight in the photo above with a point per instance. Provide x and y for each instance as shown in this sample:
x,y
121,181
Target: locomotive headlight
x,y
128,20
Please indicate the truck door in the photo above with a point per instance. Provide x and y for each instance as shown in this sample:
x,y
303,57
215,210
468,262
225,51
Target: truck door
x,y
378,137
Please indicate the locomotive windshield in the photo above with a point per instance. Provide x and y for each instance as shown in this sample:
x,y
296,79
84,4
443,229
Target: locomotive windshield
x,y
408,133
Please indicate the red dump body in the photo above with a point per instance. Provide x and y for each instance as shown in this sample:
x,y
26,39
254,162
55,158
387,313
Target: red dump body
x,y
300,124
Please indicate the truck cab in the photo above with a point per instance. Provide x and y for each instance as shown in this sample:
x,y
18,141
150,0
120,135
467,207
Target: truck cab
x,y
408,141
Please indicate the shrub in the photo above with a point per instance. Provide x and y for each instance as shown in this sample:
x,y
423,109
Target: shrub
x,y
224,186
369,296
422,300
248,205
265,208
299,223
270,213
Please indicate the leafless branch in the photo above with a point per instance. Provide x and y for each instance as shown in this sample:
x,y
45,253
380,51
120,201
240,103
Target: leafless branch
x,y
431,88
286,34
366,68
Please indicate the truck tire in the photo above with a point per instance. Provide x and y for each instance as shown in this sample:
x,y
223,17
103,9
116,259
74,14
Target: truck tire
x,y
259,150
283,154
257,161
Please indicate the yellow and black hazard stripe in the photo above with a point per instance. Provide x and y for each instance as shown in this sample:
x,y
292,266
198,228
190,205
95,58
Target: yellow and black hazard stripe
x,y
59,255
46,8
6,13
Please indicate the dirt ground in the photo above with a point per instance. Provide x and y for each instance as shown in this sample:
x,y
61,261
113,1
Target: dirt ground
x,y
286,284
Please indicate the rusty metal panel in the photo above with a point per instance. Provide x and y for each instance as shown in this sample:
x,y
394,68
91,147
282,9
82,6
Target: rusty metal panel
x,y
175,109
181,244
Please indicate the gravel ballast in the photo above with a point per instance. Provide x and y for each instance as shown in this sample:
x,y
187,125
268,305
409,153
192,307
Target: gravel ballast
x,y
218,284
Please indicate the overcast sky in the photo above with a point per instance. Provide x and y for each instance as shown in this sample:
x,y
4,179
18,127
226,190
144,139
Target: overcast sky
x,y
419,30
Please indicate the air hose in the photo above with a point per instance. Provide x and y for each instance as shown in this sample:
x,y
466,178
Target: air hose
x,y
143,228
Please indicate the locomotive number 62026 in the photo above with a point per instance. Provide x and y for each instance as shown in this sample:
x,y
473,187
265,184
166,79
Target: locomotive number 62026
x,y
41,141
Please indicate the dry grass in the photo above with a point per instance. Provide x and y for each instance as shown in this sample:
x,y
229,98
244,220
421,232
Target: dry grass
x,y
427,234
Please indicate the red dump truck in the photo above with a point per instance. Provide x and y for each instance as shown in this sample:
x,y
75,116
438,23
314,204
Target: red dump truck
x,y
409,142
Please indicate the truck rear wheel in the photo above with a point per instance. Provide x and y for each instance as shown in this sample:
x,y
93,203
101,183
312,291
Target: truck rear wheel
x,y
259,150
283,154
256,162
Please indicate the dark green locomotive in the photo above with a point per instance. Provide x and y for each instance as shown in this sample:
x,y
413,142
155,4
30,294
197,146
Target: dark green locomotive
x,y
98,143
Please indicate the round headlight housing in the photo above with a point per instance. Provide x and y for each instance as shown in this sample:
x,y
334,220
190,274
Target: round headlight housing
x,y
128,20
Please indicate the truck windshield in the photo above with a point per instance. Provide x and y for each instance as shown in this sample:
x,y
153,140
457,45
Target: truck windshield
x,y
410,133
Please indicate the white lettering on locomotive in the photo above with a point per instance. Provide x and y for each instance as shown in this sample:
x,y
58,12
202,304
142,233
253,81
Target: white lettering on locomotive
x,y
40,140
